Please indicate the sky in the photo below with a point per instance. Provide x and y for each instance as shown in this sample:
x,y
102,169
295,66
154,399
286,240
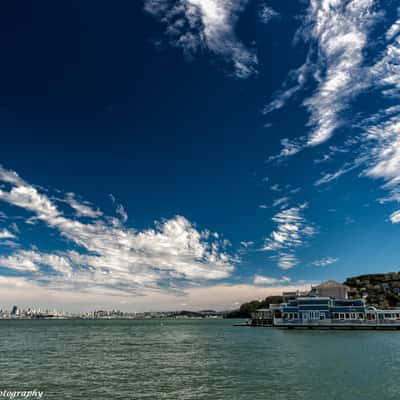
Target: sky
x,y
193,154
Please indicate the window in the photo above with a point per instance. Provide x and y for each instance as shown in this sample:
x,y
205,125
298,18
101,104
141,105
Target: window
x,y
347,315
314,314
341,316
295,315
335,315
321,316
353,315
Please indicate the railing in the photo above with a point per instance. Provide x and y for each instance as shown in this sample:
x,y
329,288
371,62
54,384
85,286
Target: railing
x,y
330,322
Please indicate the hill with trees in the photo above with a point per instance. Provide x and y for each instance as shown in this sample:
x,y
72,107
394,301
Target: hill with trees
x,y
246,309
382,290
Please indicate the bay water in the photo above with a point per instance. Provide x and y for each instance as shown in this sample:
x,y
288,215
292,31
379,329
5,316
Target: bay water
x,y
195,359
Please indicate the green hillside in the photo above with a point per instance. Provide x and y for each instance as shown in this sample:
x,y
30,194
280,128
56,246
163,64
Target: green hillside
x,y
382,290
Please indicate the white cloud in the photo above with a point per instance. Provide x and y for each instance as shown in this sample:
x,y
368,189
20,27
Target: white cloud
x,y
281,201
346,168
292,232
170,256
197,24
394,30
395,217
264,280
287,261
337,33
385,154
247,244
266,14
276,188
323,262
9,243
81,209
382,129
14,227
289,148
18,262
6,234
341,32
293,84
120,210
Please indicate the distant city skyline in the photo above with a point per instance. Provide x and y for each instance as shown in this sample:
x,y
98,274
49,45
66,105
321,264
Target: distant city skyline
x,y
195,154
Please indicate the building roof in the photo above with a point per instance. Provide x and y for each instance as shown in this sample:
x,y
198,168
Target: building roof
x,y
331,285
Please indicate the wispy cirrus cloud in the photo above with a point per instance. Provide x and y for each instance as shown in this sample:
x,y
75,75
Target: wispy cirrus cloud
x,y
82,209
120,210
336,32
197,25
294,83
328,177
107,255
292,231
289,148
281,201
266,14
340,32
265,280
262,280
323,262
382,129
344,63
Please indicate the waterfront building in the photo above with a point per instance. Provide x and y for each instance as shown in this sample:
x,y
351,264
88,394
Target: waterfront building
x,y
293,295
325,306
265,316
262,317
331,289
15,311
328,312
310,309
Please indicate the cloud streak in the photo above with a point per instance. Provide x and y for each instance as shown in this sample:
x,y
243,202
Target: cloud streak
x,y
323,262
196,25
268,281
340,32
292,231
337,35
6,234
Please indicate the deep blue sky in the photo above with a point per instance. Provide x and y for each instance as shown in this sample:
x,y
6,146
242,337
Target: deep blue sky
x,y
100,98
